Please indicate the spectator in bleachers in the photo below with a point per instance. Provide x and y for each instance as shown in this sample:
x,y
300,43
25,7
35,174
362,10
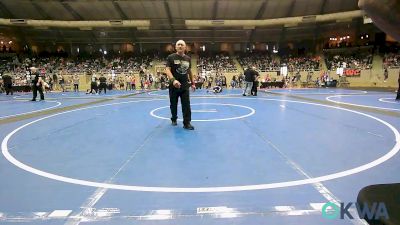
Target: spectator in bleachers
x,y
212,63
263,61
306,63
354,59
391,60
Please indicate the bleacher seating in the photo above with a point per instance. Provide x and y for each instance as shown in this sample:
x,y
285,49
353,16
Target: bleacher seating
x,y
262,61
391,60
221,62
350,58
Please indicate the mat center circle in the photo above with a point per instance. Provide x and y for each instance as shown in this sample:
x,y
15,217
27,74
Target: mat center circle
x,y
208,114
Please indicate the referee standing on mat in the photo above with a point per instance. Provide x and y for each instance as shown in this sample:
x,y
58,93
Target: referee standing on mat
x,y
178,72
36,84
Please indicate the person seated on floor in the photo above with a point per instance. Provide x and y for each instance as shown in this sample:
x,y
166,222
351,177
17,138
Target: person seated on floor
x,y
216,89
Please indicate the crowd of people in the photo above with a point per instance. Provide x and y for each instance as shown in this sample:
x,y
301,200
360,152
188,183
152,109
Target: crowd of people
x,y
353,60
305,63
18,65
391,60
62,73
264,62
65,73
220,62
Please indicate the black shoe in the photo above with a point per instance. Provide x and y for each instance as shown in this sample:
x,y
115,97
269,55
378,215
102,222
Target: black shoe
x,y
174,123
188,126
244,94
33,100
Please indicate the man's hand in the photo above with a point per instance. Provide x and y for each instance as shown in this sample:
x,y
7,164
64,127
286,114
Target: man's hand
x,y
193,87
176,84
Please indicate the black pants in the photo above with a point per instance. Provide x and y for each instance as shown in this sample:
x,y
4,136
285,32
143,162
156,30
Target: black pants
x,y
35,89
254,88
93,87
183,93
76,87
398,93
103,86
8,88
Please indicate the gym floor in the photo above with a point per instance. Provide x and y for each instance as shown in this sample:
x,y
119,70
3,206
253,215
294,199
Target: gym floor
x,y
272,159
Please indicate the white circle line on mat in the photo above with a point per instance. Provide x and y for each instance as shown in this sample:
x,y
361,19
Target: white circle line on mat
x,y
252,111
346,103
19,114
395,149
